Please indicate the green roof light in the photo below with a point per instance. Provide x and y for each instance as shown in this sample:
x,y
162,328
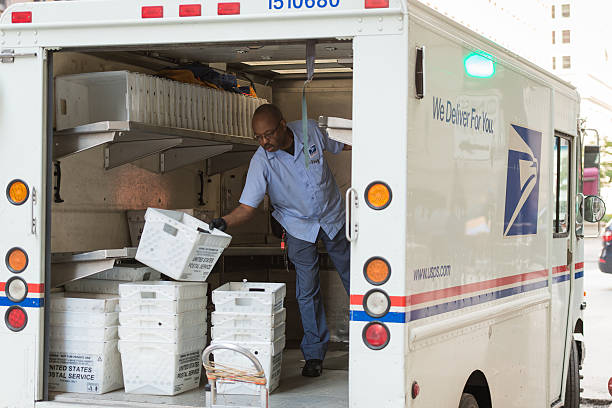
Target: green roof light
x,y
479,65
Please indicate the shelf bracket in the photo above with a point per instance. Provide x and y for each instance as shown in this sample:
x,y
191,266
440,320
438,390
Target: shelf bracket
x,y
117,154
173,159
66,145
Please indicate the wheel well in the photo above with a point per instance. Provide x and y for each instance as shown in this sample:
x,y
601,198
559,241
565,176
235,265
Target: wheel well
x,y
478,386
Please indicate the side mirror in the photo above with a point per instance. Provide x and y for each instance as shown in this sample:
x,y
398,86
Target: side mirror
x,y
593,209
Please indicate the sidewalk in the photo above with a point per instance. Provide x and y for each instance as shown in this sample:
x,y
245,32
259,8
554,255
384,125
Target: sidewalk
x,y
597,367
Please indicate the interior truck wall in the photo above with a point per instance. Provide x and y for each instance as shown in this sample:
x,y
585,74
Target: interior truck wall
x,y
93,214
327,97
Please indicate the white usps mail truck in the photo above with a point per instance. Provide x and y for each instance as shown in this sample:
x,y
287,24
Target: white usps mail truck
x,y
463,194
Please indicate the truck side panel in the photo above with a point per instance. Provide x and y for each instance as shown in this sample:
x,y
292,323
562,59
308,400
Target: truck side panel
x,y
479,268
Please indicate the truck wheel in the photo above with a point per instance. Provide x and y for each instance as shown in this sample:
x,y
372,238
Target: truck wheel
x,y
572,386
468,401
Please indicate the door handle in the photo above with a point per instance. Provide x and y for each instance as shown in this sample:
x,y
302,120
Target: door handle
x,y
351,226
34,202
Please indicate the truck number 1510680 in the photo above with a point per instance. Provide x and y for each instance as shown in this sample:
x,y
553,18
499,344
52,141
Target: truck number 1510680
x,y
298,4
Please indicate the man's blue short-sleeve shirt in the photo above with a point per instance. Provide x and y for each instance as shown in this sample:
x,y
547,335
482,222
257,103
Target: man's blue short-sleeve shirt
x,y
304,198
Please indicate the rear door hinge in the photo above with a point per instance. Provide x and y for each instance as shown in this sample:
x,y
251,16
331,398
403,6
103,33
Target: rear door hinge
x,y
8,56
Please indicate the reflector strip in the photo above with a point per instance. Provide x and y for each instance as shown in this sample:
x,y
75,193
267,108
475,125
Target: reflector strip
x,y
18,17
433,310
32,287
27,302
224,9
370,4
473,287
396,301
561,278
559,269
393,317
190,10
152,11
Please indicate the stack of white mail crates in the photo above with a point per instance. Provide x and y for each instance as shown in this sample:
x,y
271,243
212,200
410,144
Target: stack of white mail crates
x,y
82,99
162,335
83,354
250,315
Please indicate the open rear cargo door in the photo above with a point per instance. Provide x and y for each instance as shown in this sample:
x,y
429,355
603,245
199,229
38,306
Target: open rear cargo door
x,y
23,158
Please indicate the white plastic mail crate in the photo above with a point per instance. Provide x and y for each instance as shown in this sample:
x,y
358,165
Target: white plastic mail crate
x,y
180,245
250,334
158,335
250,320
161,368
83,302
102,286
83,333
157,306
125,96
84,367
249,297
127,273
136,222
270,356
79,319
163,321
95,97
163,290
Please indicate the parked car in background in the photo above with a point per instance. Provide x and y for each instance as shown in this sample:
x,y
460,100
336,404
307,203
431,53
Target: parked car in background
x,y
605,259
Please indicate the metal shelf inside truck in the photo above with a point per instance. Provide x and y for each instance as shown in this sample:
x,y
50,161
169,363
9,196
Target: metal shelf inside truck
x,y
126,142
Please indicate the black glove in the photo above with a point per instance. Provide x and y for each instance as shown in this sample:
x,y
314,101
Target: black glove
x,y
218,223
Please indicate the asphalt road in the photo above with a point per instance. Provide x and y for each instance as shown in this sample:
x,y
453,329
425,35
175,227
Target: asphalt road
x,y
597,368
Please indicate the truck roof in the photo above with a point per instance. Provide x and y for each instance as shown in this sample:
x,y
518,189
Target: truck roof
x,y
46,23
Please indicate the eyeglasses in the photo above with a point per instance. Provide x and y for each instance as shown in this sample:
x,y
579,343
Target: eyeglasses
x,y
268,135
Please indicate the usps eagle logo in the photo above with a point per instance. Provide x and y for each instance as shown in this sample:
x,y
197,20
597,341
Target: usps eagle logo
x,y
523,182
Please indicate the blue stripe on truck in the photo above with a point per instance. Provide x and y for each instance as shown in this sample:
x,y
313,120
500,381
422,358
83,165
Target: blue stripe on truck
x,y
27,302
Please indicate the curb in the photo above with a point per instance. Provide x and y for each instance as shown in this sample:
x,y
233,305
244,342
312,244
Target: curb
x,y
596,401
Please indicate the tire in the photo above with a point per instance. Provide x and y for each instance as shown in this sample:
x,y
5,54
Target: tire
x,y
572,385
468,401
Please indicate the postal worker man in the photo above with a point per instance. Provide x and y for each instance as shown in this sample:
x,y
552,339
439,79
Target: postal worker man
x,y
307,203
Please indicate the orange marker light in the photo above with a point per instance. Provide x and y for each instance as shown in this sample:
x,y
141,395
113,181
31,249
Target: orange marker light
x,y
17,260
378,196
377,271
17,192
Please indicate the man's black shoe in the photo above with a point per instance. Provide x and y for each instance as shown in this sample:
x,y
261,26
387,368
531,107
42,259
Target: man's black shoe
x,y
313,368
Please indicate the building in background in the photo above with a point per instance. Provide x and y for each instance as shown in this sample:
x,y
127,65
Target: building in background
x,y
571,38
522,26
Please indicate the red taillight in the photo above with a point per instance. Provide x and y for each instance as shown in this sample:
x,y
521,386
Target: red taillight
x,y
601,260
225,9
152,11
190,10
370,4
21,17
416,390
607,236
376,335
16,318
